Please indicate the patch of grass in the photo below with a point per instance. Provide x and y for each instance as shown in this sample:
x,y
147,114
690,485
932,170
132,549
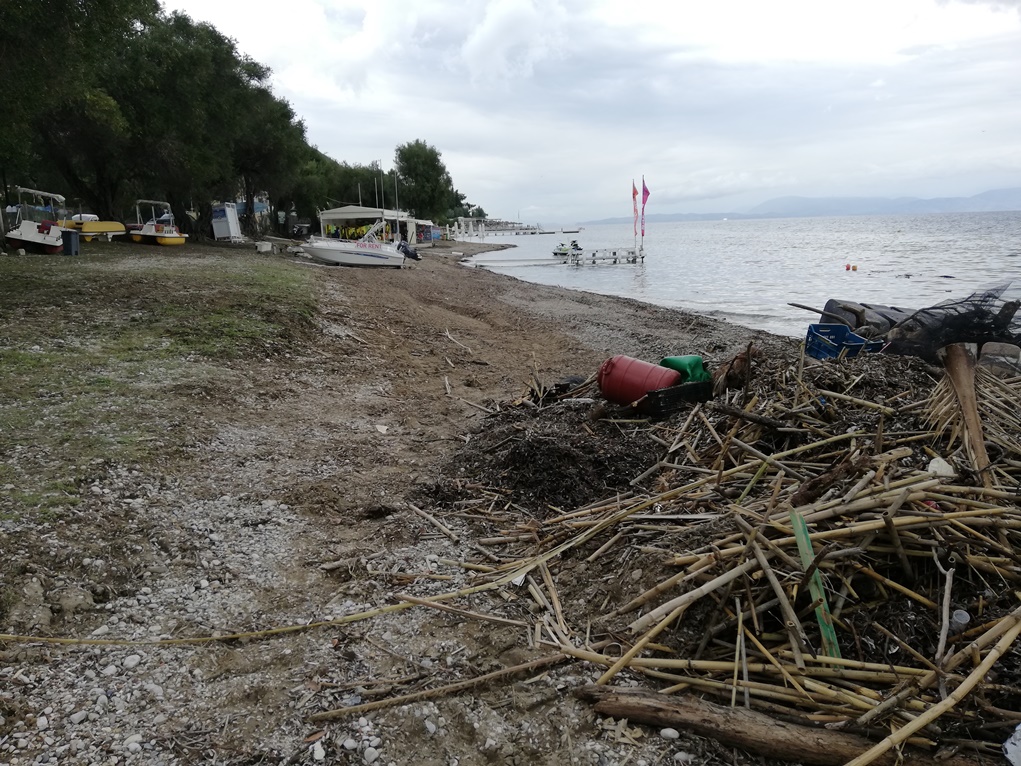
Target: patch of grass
x,y
95,349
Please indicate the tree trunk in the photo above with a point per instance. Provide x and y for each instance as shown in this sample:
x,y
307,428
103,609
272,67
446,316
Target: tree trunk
x,y
752,731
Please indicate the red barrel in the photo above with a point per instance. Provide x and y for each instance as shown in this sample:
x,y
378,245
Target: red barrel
x,y
624,380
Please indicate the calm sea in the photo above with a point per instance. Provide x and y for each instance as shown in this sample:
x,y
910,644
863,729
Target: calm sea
x,y
748,271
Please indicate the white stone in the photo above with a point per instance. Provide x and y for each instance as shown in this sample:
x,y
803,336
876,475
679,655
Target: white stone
x,y
669,733
134,747
940,467
375,742
133,738
350,744
102,630
110,670
682,757
318,753
131,661
370,755
430,727
42,722
78,717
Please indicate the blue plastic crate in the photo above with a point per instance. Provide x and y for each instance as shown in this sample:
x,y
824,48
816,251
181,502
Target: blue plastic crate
x,y
826,341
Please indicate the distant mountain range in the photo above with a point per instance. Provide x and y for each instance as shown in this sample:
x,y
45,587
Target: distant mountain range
x,y
997,200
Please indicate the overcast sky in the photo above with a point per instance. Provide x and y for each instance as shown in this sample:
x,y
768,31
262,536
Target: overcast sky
x,y
544,110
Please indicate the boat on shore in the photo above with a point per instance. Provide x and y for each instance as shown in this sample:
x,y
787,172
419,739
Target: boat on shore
x,y
42,236
368,250
157,230
91,227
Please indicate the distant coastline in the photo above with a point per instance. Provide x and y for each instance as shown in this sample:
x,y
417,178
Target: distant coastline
x,y
994,201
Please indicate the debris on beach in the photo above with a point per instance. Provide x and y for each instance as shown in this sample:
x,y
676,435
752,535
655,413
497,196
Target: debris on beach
x,y
786,550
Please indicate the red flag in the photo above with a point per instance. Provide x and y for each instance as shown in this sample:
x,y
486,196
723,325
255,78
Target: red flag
x,y
634,199
645,198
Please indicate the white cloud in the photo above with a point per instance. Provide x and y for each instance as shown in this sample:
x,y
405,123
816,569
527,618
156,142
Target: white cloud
x,y
552,107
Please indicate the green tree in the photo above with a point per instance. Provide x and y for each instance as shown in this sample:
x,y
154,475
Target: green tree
x,y
425,185
49,51
268,150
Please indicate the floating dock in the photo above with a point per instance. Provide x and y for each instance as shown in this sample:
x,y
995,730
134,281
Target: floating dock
x,y
604,255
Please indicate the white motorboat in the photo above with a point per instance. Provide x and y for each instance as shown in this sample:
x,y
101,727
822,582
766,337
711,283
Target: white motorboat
x,y
366,251
44,236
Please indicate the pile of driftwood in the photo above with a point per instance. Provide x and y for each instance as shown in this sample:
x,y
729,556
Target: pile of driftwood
x,y
828,550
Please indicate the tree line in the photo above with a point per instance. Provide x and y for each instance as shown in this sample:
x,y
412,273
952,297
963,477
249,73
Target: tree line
x,y
106,101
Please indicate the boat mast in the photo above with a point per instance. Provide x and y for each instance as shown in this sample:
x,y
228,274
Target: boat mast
x,y
397,208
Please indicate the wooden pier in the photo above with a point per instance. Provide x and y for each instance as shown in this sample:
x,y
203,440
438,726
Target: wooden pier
x,y
605,255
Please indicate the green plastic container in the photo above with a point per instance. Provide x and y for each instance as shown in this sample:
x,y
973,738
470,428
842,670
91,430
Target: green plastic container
x,y
689,366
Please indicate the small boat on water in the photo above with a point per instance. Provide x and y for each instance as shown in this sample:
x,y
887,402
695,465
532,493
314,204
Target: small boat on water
x,y
157,230
368,250
42,236
564,251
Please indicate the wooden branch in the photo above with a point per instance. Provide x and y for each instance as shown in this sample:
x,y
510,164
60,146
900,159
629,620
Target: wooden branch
x,y
749,730
960,366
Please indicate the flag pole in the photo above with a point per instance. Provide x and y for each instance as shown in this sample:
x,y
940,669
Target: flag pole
x,y
645,198
634,204
643,212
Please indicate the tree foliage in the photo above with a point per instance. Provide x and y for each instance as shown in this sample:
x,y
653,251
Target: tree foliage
x,y
142,103
426,187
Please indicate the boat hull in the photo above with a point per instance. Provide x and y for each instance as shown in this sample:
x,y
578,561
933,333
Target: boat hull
x,y
168,240
342,252
37,238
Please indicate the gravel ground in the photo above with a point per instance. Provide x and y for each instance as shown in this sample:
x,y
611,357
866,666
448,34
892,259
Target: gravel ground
x,y
278,501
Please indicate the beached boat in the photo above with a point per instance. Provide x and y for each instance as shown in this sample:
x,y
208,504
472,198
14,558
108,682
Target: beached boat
x,y
90,227
42,236
157,230
368,250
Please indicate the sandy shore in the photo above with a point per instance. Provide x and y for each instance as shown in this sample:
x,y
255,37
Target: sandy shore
x,y
282,499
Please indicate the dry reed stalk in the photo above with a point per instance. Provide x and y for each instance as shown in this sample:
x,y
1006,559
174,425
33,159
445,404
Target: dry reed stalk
x,y
755,479
626,658
773,661
921,658
901,671
466,565
894,535
460,612
815,702
605,547
902,589
888,411
697,568
442,691
554,597
647,620
753,534
712,430
791,622
436,523
952,699
785,467
947,573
